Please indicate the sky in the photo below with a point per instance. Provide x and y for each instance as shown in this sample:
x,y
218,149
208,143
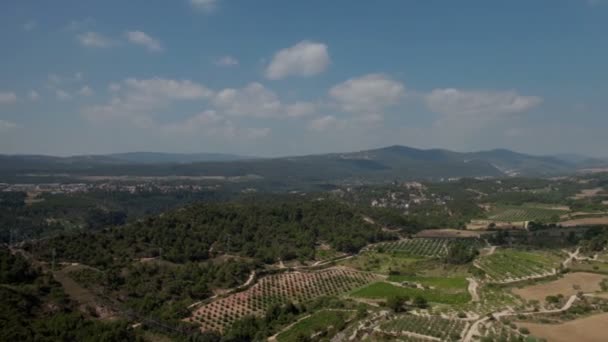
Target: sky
x,y
276,78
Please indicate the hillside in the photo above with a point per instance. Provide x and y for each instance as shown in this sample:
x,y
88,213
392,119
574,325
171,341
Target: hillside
x,y
377,165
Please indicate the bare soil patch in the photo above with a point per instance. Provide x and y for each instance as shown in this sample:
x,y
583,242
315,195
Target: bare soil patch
x,y
587,221
587,193
568,285
589,329
447,233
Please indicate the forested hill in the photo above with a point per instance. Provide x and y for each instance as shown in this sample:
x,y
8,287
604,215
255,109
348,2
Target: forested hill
x,y
266,231
377,165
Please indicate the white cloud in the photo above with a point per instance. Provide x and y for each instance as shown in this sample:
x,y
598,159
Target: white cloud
x,y
6,125
33,95
252,100
227,61
367,94
78,25
95,40
303,59
300,109
136,99
255,133
323,123
8,97
206,119
205,5
62,95
30,25
167,88
86,91
143,39
452,101
114,87
255,100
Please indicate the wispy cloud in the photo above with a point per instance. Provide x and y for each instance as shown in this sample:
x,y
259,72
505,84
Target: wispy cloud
x,y
450,101
207,6
30,25
95,40
227,61
8,97
6,125
142,39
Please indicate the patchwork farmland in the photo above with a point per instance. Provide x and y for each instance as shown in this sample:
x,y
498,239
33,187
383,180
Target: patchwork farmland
x,y
524,213
512,265
278,288
434,326
424,247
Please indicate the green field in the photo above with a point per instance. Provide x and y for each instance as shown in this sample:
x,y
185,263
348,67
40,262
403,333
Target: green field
x,y
383,262
435,326
511,264
383,290
423,247
319,321
590,266
506,213
457,283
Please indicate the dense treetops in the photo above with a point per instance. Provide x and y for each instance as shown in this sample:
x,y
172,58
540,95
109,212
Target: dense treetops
x,y
33,307
267,231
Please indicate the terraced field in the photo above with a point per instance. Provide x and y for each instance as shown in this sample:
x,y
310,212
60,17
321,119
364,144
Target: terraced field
x,y
382,290
279,288
435,326
512,265
523,213
424,247
319,321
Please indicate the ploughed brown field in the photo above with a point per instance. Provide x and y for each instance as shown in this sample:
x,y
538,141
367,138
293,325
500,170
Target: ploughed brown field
x,y
570,284
589,329
585,221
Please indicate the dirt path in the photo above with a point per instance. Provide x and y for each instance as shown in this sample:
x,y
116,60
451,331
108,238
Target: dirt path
x,y
571,256
474,329
473,285
227,291
274,337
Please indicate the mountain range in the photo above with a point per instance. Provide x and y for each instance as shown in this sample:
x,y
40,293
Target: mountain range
x,y
382,164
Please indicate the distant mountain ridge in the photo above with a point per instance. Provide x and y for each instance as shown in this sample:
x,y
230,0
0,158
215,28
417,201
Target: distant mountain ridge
x,y
375,165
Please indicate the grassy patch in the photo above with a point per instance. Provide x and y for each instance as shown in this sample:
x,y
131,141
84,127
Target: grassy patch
x,y
384,263
320,321
383,290
515,264
590,266
436,282
506,213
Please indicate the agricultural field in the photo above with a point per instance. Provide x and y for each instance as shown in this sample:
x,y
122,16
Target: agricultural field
x,y
278,288
570,284
590,266
434,326
320,321
492,298
443,283
496,331
536,213
513,265
383,262
588,329
383,290
424,247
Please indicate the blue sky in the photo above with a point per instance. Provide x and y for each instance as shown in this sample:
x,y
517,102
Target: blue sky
x,y
272,78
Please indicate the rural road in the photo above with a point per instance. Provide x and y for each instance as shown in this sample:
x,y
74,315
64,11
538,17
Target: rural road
x,y
473,285
474,329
